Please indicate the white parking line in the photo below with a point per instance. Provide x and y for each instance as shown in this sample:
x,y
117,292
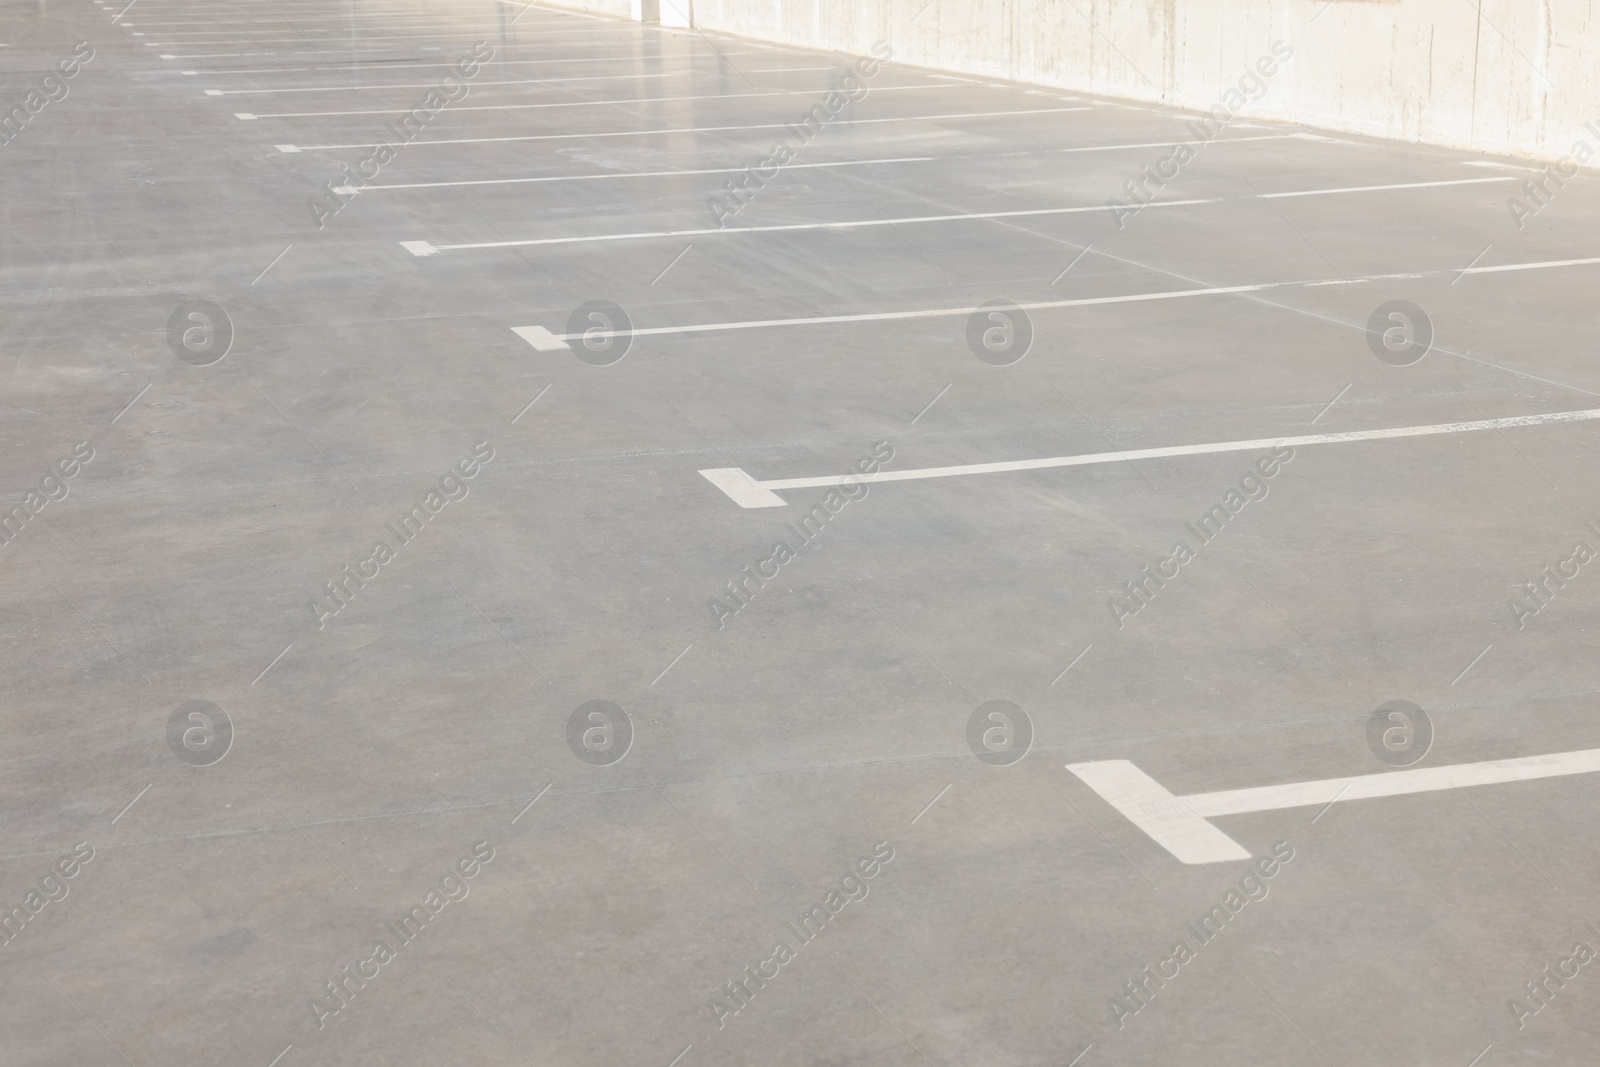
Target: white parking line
x,y
348,190
545,341
337,42
1499,166
1179,823
1173,144
572,103
330,33
709,129
335,24
343,51
425,248
323,16
749,492
478,84
341,24
367,68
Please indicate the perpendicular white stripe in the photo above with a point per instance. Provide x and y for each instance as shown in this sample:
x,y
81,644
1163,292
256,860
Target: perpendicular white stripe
x,y
372,67
585,103
711,129
308,22
447,27
336,42
1392,783
153,11
297,52
1172,144
348,190
247,37
790,227
478,84
157,7
1184,450
1181,825
1149,806
333,32
1035,305
418,21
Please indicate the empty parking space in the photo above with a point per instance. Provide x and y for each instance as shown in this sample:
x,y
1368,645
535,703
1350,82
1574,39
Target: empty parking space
x,y
536,537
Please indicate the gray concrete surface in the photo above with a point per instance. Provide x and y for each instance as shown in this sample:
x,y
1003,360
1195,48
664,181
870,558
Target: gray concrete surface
x,y
827,721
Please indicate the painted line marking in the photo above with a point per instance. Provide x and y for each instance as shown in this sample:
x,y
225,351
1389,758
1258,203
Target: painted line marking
x,y
310,15
1499,166
423,248
342,45
1173,144
476,85
680,1055
351,189
311,19
795,227
242,38
749,492
540,338
581,103
1181,825
280,1056
705,129
339,17
341,67
347,190
741,488
241,13
355,60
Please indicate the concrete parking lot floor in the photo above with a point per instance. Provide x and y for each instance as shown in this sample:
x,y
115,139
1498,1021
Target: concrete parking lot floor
x,y
539,539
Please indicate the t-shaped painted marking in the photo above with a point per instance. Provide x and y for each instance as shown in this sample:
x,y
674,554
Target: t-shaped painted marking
x,y
1180,824
725,477
743,489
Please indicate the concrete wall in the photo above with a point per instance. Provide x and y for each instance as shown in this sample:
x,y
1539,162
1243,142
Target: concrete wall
x,y
1518,77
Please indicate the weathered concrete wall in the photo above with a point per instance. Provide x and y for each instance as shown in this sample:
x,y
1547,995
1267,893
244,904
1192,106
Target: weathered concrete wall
x,y
1519,77
637,10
